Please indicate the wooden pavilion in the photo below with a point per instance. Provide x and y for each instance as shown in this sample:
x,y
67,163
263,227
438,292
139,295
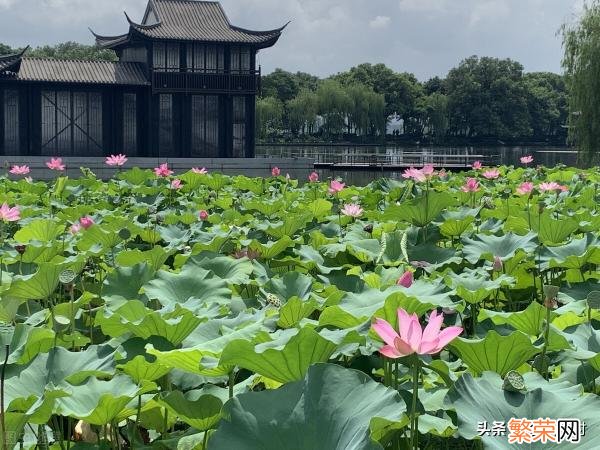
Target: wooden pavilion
x,y
184,86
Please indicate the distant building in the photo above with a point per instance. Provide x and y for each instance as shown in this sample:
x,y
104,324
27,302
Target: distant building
x,y
395,125
184,86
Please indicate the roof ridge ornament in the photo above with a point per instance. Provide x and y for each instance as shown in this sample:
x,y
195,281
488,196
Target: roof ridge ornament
x,y
142,26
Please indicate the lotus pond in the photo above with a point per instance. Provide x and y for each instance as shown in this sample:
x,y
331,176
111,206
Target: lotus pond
x,y
201,311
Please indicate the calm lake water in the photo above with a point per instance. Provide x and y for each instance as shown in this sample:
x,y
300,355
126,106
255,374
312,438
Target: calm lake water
x,y
547,156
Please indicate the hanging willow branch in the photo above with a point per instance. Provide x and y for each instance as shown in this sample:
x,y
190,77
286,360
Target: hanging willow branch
x,y
581,42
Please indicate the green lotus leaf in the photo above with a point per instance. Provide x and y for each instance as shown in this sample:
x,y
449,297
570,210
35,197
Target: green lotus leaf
x,y
42,230
105,235
365,250
197,409
271,249
125,283
573,255
24,343
319,209
98,402
422,210
38,286
529,321
485,246
586,341
553,231
495,353
293,311
289,226
190,283
155,257
233,271
292,284
285,363
331,408
172,323
474,286
482,399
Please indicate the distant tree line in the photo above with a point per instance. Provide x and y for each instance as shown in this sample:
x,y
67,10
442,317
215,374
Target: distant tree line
x,y
482,100
65,50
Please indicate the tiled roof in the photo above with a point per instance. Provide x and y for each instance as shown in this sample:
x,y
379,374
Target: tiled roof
x,y
11,62
193,20
89,72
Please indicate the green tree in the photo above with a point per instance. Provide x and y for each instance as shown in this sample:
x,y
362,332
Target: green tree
x,y
436,110
582,68
548,105
5,49
73,50
269,115
334,104
302,112
487,98
401,90
280,84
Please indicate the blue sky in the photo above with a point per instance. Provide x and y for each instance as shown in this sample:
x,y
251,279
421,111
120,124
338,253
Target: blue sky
x,y
426,37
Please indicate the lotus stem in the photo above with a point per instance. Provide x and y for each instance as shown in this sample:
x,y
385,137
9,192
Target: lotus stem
x,y
2,410
231,382
414,418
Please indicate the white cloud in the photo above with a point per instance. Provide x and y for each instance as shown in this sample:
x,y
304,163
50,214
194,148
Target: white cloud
x,y
5,4
436,6
490,10
426,37
380,22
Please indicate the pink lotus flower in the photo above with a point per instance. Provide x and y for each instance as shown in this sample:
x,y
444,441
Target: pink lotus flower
x,y
336,186
352,210
442,174
497,264
8,214
176,184
428,170
552,186
527,159
313,177
472,185
414,174
412,338
55,164
19,170
203,215
116,160
491,174
477,165
525,188
275,171
406,280
199,171
163,171
75,228
86,222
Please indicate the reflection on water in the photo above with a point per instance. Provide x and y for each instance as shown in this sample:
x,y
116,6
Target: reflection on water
x,y
547,156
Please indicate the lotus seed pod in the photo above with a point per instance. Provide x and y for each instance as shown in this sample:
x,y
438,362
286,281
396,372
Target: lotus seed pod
x,y
513,382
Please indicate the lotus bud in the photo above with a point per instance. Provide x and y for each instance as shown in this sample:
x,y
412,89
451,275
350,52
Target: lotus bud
x,y
541,207
406,280
497,266
551,295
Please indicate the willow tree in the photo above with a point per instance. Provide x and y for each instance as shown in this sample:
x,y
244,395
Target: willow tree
x,y
581,62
